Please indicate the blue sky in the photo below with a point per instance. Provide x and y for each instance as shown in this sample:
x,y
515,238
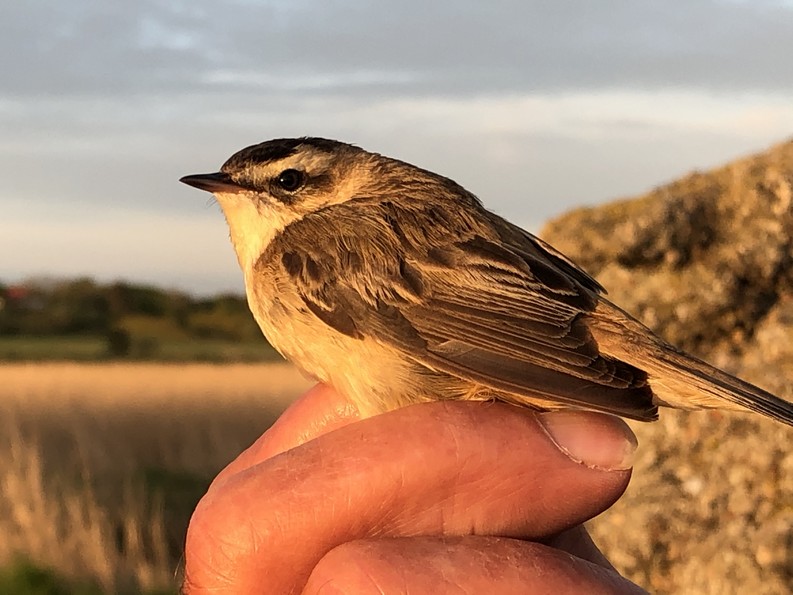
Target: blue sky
x,y
537,107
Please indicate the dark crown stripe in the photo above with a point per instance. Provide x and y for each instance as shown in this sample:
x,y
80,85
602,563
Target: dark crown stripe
x,y
273,150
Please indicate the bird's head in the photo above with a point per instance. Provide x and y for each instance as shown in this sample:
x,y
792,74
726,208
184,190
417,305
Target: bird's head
x,y
264,188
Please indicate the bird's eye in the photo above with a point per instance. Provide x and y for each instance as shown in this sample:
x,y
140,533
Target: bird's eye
x,y
290,179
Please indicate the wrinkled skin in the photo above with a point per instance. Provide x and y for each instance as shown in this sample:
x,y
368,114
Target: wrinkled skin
x,y
440,497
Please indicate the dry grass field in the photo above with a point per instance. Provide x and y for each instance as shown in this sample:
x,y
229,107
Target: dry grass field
x,y
101,464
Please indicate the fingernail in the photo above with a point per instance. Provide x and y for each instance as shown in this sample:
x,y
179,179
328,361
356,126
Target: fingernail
x,y
596,440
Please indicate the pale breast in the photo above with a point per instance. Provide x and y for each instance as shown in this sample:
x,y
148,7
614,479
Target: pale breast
x,y
375,376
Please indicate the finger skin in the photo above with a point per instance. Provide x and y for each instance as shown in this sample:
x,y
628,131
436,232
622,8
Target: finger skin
x,y
459,565
431,469
318,412
578,542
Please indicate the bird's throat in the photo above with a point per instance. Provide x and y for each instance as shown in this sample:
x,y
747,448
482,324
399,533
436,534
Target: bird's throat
x,y
251,227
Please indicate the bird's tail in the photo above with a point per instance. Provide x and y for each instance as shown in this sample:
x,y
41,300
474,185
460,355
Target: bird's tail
x,y
676,371
677,379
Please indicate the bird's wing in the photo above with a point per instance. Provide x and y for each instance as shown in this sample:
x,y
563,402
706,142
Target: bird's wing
x,y
462,292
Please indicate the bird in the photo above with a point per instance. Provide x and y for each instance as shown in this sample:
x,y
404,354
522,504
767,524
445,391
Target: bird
x,y
395,285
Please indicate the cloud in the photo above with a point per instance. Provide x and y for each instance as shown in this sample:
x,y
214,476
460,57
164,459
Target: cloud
x,y
535,106
411,47
111,153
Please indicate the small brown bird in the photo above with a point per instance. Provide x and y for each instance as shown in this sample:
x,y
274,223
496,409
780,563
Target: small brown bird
x,y
395,285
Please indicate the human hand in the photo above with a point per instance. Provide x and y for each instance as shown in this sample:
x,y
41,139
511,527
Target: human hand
x,y
438,497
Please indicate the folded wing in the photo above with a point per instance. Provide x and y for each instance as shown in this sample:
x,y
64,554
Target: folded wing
x,y
470,296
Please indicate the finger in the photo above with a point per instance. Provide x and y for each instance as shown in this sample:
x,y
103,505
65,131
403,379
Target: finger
x,y
578,542
318,411
430,469
459,565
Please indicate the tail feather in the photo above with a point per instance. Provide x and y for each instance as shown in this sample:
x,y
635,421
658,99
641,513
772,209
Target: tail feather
x,y
677,379
716,388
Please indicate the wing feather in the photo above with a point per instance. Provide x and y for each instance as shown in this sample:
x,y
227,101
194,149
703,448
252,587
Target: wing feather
x,y
461,293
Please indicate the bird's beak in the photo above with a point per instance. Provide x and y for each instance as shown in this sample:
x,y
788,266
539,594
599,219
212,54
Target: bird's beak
x,y
216,183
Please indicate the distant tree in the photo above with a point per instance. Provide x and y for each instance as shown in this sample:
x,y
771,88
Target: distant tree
x,y
119,342
224,317
79,307
131,317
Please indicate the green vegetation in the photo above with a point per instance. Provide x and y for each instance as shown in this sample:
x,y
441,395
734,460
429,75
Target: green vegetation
x,y
86,321
26,347
25,578
89,348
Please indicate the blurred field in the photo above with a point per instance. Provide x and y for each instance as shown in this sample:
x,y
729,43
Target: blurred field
x,y
101,464
95,348
27,348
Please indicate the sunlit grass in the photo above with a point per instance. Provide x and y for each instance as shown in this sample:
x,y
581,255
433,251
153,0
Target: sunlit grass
x,y
101,465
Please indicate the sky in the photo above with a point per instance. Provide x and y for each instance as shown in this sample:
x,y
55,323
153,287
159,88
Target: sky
x,y
535,106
